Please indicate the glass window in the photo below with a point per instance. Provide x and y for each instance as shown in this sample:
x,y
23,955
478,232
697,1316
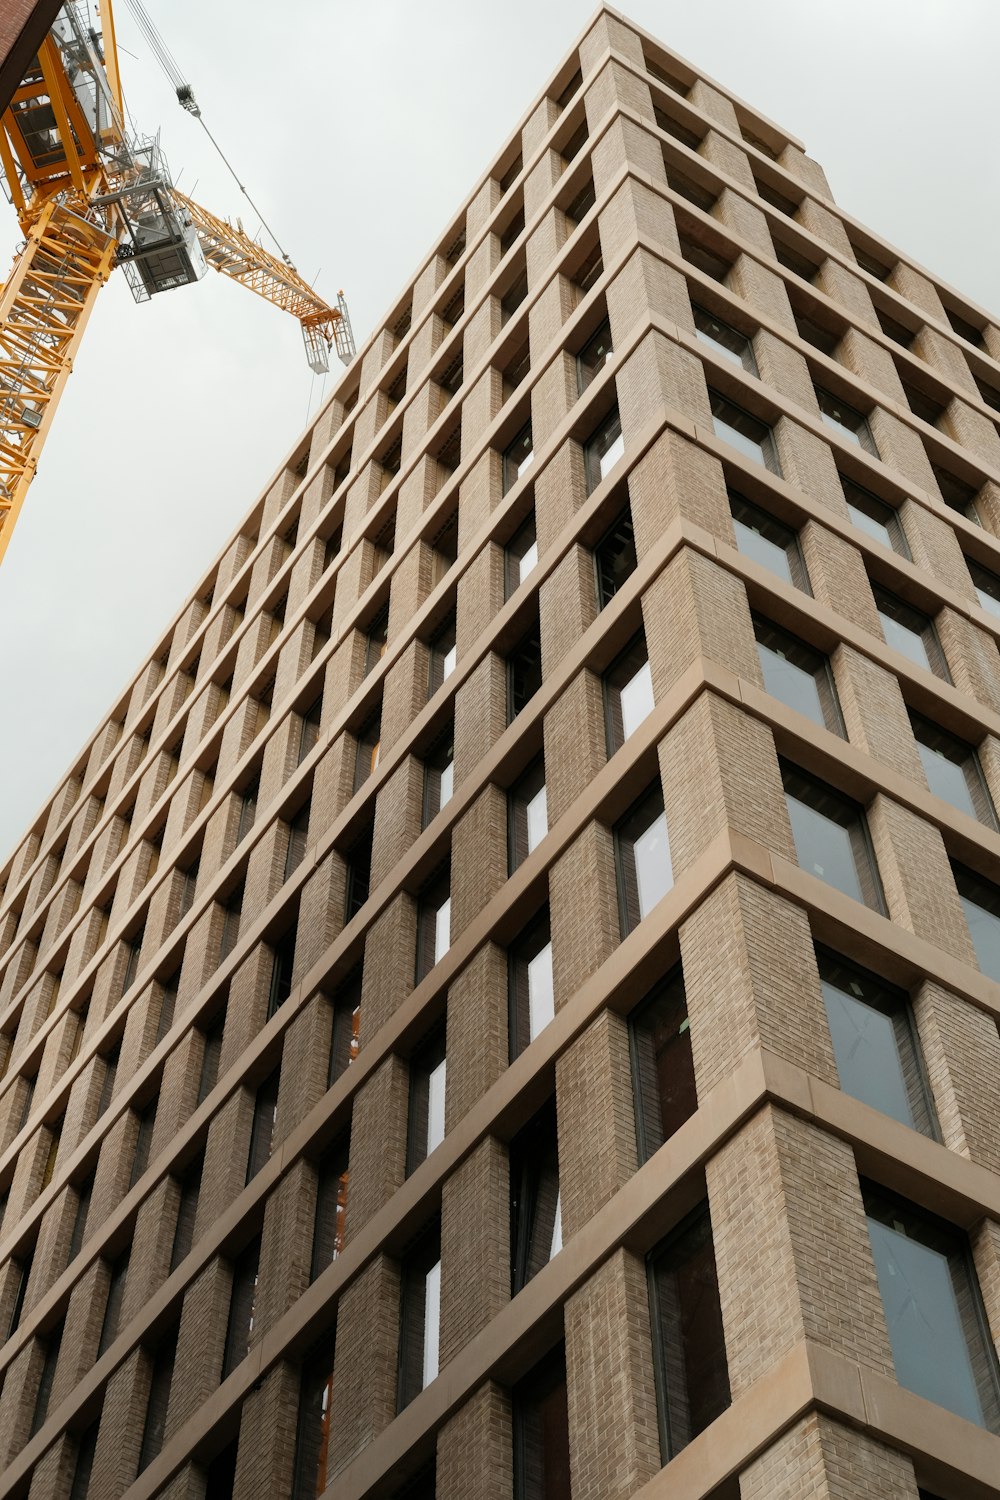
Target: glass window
x,y
765,540
981,905
282,969
597,352
845,420
628,693
831,837
728,341
689,1350
358,859
309,733
797,675
615,558
703,258
332,1178
312,1433
744,432
642,850
420,1318
941,1349
520,555
158,1400
517,458
987,586
369,742
377,639
529,983
439,776
953,771
535,1218
265,1114
443,656
874,517
425,1132
527,815
524,673
298,834
345,1034
541,1432
433,926
907,630
875,1043
242,1308
603,449
663,1081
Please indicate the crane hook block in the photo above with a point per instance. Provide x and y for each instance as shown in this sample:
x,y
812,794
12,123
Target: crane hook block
x,y
186,100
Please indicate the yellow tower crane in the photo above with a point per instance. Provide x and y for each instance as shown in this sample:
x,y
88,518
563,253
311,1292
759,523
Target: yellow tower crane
x,y
89,197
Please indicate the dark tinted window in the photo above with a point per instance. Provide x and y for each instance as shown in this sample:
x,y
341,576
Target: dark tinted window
x,y
535,1217
662,1066
615,558
689,1351
541,1432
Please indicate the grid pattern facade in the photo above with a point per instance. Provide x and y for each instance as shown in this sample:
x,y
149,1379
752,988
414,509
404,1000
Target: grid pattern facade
x,y
333,952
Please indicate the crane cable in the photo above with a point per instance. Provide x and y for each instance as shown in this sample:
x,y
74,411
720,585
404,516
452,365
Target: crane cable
x,y
187,101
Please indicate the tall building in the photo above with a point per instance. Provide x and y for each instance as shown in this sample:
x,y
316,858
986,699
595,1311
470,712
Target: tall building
x,y
505,1008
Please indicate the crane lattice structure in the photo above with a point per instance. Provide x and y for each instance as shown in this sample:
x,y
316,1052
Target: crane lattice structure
x,y
90,197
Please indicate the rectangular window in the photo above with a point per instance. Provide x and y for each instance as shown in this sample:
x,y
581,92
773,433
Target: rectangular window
x,y
953,771
524,673
242,1308
987,586
425,1127
768,542
981,904
744,432
907,630
874,517
831,837
628,693
433,926
265,1113
597,352
298,834
282,968
312,1432
189,883
22,1287
232,910
535,1217
527,815
309,732
520,555
689,1350
345,1036
248,808
642,857
517,458
615,558
358,859
513,297
704,259
941,1347
50,1344
113,1305
797,675
332,1178
529,983
86,1450
443,656
83,1190
376,640
735,346
143,1140
541,1432
158,1401
875,1043
845,420
187,1212
663,1083
439,777
211,1055
419,1318
603,449
369,742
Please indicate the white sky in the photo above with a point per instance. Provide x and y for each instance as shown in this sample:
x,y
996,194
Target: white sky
x,y
360,129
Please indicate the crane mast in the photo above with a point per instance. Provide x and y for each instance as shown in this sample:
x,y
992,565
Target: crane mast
x,y
89,197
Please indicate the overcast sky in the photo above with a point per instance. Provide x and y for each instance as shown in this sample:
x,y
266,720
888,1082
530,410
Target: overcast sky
x,y
359,128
